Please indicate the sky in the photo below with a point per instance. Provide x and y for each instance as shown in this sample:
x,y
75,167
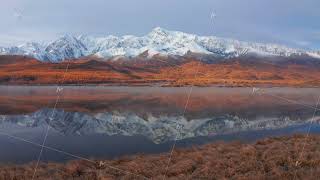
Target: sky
x,y
295,23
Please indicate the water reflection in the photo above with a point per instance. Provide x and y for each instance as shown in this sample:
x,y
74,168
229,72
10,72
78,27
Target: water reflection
x,y
158,129
90,120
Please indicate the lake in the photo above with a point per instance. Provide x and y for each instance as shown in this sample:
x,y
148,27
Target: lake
x,y
110,122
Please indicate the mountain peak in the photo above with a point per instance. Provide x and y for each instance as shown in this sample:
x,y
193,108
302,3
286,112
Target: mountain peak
x,y
158,31
67,36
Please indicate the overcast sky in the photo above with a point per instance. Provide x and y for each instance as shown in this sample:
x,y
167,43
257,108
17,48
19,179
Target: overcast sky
x,y
295,23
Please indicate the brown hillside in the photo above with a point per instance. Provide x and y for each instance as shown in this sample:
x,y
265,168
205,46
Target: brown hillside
x,y
164,73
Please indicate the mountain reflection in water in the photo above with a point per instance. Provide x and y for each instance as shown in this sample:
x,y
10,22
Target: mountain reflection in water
x,y
149,117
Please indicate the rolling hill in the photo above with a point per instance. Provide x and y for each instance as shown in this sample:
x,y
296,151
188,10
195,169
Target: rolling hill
x,y
164,71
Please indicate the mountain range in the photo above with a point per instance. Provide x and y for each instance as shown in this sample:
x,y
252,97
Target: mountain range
x,y
161,58
158,42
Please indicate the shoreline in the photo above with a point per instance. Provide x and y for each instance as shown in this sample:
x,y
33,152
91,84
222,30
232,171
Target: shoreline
x,y
274,157
155,85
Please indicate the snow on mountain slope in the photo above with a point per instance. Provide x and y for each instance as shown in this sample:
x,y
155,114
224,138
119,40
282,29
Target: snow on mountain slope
x,y
158,41
66,47
35,50
314,54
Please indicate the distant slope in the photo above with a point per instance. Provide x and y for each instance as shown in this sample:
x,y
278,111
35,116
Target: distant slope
x,y
15,59
183,71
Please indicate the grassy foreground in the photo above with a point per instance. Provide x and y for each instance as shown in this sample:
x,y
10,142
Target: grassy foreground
x,y
292,157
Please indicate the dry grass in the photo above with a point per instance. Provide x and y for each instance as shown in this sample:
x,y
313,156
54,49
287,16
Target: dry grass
x,y
232,73
272,158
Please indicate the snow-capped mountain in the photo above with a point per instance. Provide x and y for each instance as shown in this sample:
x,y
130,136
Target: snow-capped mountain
x,y
33,49
315,54
66,47
158,129
158,41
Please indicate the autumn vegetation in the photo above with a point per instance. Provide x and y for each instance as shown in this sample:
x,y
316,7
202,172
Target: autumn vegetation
x,y
167,72
295,157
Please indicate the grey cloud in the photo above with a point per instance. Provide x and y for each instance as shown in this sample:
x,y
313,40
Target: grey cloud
x,y
252,20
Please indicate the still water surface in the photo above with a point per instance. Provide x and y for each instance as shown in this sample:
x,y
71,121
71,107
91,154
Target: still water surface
x,y
110,122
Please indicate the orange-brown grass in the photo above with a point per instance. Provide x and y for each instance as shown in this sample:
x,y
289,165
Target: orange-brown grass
x,y
237,74
190,72
271,158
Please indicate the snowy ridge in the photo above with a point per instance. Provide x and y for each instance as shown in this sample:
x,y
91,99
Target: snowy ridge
x,y
158,41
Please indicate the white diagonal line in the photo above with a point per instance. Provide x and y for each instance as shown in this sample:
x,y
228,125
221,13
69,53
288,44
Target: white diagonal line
x,y
184,111
307,136
48,127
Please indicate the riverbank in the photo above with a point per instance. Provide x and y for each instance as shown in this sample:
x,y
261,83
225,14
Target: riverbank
x,y
272,158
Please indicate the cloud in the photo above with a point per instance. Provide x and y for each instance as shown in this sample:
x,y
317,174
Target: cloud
x,y
302,43
316,35
9,40
18,14
14,39
39,20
